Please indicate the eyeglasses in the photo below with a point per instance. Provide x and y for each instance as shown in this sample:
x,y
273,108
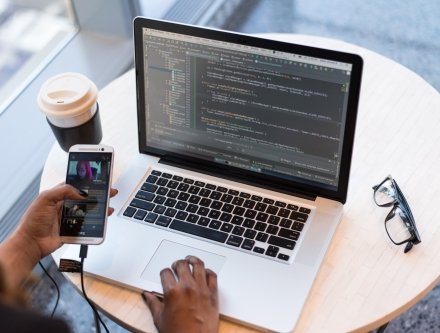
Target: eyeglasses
x,y
399,223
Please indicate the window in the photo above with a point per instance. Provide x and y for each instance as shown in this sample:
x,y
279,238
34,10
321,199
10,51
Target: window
x,y
29,33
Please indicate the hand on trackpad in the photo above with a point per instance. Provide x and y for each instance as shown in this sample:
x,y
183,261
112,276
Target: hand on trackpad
x,y
168,252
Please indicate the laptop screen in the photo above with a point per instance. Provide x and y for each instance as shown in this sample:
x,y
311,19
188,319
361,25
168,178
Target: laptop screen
x,y
267,111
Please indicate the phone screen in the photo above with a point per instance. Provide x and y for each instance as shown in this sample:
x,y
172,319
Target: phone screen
x,y
88,172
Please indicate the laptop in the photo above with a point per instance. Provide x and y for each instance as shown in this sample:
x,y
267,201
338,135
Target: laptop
x,y
245,147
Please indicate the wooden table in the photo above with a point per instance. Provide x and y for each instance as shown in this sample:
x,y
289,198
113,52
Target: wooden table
x,y
365,280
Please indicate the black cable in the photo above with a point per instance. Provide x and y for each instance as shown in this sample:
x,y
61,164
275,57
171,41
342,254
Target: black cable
x,y
83,255
56,287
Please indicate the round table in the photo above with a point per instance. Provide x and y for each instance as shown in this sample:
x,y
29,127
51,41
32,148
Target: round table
x,y
365,280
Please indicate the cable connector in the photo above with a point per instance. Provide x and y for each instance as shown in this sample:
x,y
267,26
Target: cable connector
x,y
83,251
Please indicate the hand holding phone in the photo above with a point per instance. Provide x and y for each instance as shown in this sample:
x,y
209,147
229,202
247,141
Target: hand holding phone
x,y
90,171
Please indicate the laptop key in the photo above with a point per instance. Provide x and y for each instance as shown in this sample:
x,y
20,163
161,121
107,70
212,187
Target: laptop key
x,y
170,202
286,223
167,175
226,227
183,196
258,249
249,233
163,221
151,217
239,211
227,208
292,207
170,212
281,242
298,226
183,187
194,189
204,192
301,217
159,199
178,178
262,217
214,214
225,217
149,187
237,201
248,244
245,195
197,230
268,201
181,205
210,186
262,237
260,226
222,189
173,194
249,204
205,202
162,191
249,223
215,224
192,218
204,221
162,181
159,209
283,256
256,198
273,219
250,213
194,199
188,181
181,215
147,196
283,212
156,172
215,195
129,211
234,240
192,208
280,204
272,229
233,192
203,211
140,214
272,210
200,184
141,204
261,207
290,234
238,230
151,179
272,251
173,184
226,198
237,220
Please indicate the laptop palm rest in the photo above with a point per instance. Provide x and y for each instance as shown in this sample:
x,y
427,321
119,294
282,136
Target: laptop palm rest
x,y
168,252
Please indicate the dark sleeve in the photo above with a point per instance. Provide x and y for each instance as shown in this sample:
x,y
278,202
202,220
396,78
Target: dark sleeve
x,y
15,320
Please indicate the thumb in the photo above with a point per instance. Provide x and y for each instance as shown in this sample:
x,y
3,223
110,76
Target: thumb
x,y
155,305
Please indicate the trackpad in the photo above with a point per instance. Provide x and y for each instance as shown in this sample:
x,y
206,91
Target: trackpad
x,y
168,252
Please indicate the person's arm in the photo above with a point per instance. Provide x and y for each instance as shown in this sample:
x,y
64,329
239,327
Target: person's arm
x,y
37,234
190,302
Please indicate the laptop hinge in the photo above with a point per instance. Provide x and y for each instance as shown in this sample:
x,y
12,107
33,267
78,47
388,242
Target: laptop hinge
x,y
237,176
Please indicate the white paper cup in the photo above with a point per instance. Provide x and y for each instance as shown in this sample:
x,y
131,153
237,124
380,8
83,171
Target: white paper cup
x,y
69,101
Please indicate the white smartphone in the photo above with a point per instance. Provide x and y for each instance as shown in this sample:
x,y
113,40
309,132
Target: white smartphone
x,y
89,170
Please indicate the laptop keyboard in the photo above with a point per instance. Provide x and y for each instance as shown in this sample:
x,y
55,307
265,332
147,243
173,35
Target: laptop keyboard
x,y
237,219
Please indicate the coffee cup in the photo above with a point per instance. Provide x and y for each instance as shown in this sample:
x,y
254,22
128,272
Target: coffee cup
x,y
69,101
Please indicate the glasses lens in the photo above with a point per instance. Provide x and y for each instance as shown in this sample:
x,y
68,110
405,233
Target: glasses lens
x,y
385,193
397,226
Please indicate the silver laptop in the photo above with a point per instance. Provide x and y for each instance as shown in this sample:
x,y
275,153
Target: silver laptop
x,y
245,148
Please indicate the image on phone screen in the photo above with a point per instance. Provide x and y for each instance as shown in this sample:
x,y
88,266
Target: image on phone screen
x,y
88,172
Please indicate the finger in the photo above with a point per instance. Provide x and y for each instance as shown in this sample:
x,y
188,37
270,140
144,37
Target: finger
x,y
167,279
110,211
62,192
211,279
113,192
182,270
198,268
155,305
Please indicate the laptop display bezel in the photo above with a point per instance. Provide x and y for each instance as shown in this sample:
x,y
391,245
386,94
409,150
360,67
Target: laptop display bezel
x,y
309,189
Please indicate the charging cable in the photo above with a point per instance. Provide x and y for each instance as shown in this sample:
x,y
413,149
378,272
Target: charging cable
x,y
83,255
56,287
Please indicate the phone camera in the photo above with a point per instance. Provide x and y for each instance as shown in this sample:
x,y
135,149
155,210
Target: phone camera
x,y
102,149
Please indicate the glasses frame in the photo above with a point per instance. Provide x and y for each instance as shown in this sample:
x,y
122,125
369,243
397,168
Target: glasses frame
x,y
399,202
